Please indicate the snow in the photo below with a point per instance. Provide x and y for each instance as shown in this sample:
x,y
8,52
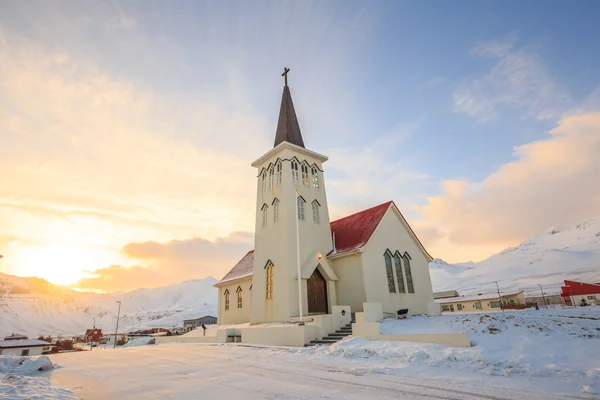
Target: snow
x,y
187,371
142,341
547,259
559,345
32,307
20,379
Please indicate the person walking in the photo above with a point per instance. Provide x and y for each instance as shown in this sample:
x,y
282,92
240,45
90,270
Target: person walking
x,y
204,327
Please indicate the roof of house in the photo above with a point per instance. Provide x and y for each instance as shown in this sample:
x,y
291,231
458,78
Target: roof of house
x,y
242,269
481,296
16,336
90,331
446,294
288,129
573,288
4,344
197,318
351,233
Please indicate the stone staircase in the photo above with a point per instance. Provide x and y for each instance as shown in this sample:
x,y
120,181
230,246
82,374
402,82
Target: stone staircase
x,y
335,336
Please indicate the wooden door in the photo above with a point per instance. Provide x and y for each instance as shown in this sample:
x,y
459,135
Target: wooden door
x,y
316,288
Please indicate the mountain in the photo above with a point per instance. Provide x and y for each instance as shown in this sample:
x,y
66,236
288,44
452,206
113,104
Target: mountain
x,y
546,260
33,306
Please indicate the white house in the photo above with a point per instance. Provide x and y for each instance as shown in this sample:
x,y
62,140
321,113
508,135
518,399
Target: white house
x,y
24,347
370,256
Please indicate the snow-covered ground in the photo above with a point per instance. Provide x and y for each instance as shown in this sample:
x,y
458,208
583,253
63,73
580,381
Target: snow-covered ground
x,y
555,348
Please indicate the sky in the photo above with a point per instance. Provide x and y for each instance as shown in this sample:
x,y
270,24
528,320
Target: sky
x,y
127,128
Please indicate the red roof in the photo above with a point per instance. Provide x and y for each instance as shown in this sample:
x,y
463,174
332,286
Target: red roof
x,y
354,231
243,268
573,288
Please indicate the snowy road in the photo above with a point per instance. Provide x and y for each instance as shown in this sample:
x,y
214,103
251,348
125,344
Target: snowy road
x,y
189,371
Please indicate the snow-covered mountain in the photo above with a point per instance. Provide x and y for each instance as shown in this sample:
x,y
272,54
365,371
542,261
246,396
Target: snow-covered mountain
x,y
34,307
546,259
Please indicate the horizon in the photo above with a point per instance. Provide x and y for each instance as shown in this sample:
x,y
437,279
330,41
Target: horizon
x,y
127,129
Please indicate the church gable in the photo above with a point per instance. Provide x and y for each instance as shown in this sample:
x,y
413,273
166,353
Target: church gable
x,y
242,269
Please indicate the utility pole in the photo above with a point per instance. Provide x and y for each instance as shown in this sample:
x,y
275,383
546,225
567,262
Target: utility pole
x,y
543,297
499,296
117,328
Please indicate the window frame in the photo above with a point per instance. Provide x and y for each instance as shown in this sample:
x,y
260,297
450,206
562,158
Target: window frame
x,y
304,169
300,208
399,273
263,183
275,205
265,215
389,271
295,174
240,297
316,213
226,294
271,177
315,177
269,280
410,285
279,172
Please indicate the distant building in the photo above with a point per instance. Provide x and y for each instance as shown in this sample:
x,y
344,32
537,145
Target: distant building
x,y
110,338
482,302
20,345
193,323
580,294
93,335
445,295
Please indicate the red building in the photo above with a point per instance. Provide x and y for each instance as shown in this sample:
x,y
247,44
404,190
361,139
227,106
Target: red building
x,y
93,335
580,294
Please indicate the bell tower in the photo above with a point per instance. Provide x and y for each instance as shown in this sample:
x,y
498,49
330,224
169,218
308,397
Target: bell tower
x,y
291,214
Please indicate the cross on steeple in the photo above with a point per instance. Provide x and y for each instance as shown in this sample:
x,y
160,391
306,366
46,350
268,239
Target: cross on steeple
x,y
285,72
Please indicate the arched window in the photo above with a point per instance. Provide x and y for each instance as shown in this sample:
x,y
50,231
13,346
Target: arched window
x,y
239,296
269,268
301,208
389,272
263,177
295,171
409,279
315,210
305,174
399,274
271,177
275,210
315,177
226,299
265,215
279,169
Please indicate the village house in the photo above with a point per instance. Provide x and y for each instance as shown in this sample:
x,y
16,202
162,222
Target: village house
x,y
193,323
580,294
20,345
303,263
483,302
445,295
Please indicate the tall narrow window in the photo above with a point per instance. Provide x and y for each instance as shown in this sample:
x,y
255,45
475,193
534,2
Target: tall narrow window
x,y
315,177
305,174
315,210
226,299
409,279
269,293
239,296
265,215
279,169
275,210
271,177
263,178
295,171
301,208
389,272
399,274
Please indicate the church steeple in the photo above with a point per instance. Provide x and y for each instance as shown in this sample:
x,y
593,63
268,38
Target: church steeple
x,y
288,129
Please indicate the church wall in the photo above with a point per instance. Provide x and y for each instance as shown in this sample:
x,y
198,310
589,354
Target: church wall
x,y
394,235
350,290
277,241
235,315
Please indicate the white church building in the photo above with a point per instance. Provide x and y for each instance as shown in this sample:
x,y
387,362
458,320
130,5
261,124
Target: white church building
x,y
372,256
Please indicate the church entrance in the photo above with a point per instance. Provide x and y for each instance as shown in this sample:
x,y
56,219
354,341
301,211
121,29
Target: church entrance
x,y
316,288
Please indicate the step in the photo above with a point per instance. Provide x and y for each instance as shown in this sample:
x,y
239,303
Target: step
x,y
323,341
340,335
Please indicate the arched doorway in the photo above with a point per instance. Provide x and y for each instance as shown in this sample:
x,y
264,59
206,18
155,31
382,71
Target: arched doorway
x,y
316,288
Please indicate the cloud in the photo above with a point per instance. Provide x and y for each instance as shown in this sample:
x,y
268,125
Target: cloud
x,y
551,182
518,80
170,262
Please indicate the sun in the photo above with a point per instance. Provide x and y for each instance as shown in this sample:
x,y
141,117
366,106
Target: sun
x,y
57,263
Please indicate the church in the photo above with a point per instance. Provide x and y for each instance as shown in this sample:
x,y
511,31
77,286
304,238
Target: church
x,y
303,264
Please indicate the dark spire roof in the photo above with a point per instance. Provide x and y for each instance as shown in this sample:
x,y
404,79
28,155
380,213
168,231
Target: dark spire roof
x,y
288,129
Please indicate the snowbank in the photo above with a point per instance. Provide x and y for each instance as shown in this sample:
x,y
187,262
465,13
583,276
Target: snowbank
x,y
24,365
561,344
